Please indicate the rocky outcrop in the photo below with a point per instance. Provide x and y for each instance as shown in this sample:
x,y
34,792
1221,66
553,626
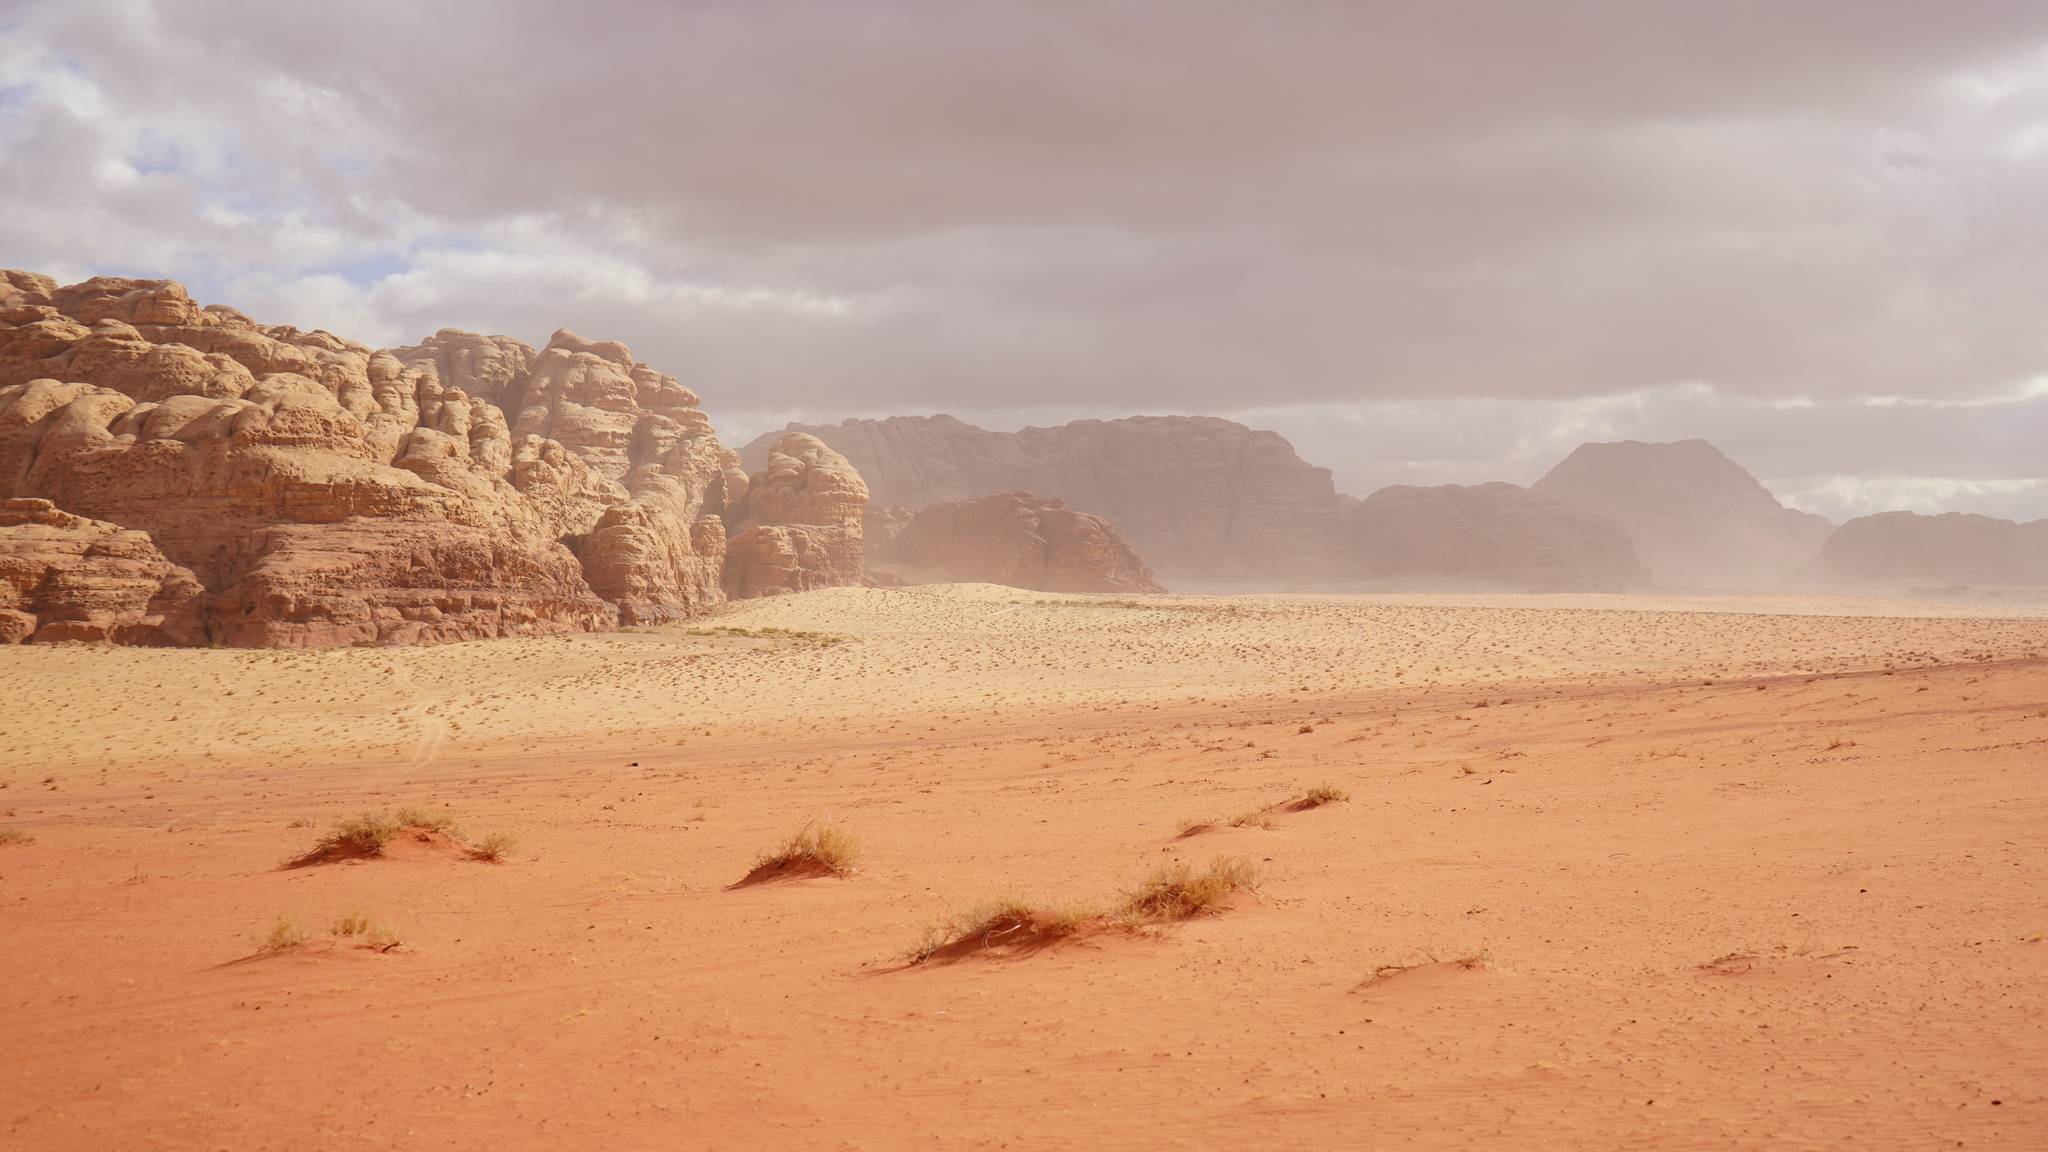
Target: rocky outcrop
x,y
1015,539
321,492
1896,551
64,577
1485,536
799,526
1698,520
1205,500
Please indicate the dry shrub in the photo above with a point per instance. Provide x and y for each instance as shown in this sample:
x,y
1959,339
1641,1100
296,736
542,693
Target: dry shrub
x,y
494,848
284,935
1002,927
817,849
1321,794
426,819
353,839
1178,892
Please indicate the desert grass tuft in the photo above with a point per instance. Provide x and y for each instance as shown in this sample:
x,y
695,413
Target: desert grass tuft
x,y
1001,926
1321,794
366,932
426,819
817,849
494,848
284,935
357,836
1178,892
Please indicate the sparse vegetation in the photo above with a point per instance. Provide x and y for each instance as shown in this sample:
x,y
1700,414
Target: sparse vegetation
x,y
1002,926
426,819
366,932
366,836
821,639
1013,927
817,849
493,848
353,838
1178,892
1320,795
284,935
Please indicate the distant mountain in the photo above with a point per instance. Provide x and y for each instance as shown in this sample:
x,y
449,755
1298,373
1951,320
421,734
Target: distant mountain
x,y
1204,500
1015,539
1489,535
1896,550
1698,520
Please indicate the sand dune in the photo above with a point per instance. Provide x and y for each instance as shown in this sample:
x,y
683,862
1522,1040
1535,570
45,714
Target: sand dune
x,y
1613,873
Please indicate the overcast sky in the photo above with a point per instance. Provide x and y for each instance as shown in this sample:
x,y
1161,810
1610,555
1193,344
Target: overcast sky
x,y
1430,242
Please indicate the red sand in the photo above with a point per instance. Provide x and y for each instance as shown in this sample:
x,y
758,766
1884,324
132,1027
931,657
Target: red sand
x,y
1628,912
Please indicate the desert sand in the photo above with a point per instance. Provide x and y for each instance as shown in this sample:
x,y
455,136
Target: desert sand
x,y
1612,873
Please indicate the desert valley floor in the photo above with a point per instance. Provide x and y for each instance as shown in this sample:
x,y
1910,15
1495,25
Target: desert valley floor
x,y
1613,873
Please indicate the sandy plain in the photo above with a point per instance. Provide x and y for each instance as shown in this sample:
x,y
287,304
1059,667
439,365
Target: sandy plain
x,y
1613,873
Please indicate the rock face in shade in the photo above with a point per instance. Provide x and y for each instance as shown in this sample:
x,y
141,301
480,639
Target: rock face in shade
x,y
64,577
1488,535
320,492
799,526
1204,500
1698,520
1896,551
1015,539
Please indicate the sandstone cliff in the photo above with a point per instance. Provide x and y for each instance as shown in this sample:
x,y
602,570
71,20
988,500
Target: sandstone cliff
x,y
1698,520
1895,551
64,577
1489,535
1204,500
800,523
1015,539
321,492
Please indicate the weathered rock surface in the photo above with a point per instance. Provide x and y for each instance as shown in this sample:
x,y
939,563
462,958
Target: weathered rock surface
x,y
799,525
64,577
321,492
1204,500
1487,535
1698,520
1896,551
1015,539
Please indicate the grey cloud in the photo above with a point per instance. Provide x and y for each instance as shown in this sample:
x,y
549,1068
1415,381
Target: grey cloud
x,y
1455,220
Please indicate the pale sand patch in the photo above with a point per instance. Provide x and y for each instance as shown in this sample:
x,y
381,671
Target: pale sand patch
x,y
864,651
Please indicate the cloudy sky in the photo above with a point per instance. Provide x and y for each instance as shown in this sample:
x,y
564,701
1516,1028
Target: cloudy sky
x,y
1430,242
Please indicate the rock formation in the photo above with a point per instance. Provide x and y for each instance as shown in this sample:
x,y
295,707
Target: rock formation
x,y
1896,551
1489,535
1204,500
323,493
64,577
1014,539
1698,520
800,523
